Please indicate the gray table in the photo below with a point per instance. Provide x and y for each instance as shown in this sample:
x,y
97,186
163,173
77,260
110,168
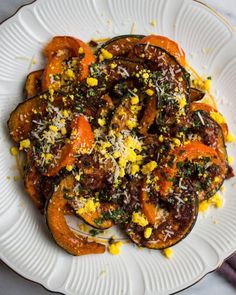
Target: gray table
x,y
13,284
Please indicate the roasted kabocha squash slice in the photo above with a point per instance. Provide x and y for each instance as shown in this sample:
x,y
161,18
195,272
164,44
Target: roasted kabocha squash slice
x,y
167,44
213,113
80,141
149,115
33,84
174,221
91,210
163,222
22,118
209,132
56,70
118,46
197,162
109,72
31,182
170,81
68,62
70,241
84,196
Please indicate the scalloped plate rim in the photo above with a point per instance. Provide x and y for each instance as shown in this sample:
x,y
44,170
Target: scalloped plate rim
x,y
206,271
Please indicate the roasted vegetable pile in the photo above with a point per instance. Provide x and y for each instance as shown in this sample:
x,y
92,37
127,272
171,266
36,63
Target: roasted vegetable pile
x,y
116,134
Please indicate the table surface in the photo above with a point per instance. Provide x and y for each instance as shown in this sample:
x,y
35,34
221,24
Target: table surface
x,y
13,284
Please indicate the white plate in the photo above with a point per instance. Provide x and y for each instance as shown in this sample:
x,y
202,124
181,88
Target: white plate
x,y
25,244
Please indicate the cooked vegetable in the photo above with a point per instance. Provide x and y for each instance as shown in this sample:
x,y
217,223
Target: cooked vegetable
x,y
76,47
167,44
33,84
96,219
149,115
121,116
74,244
211,134
170,80
21,119
52,75
109,72
173,222
196,94
118,46
93,215
81,140
31,182
120,138
214,114
197,162
149,209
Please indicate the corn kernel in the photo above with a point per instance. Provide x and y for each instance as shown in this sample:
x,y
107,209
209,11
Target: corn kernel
x,y
216,200
70,74
203,206
106,145
51,91
131,155
182,102
122,162
149,167
122,172
145,76
177,142
81,50
153,23
48,157
24,144
217,179
147,232
92,81
106,54
161,138
69,167
63,131
134,169
101,122
134,100
89,207
14,150
139,158
77,177
131,124
101,58
149,92
231,138
168,252
65,113
139,218
114,248
113,65
53,128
